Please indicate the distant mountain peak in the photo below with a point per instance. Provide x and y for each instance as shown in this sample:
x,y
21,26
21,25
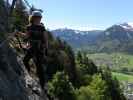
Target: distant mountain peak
x,y
128,26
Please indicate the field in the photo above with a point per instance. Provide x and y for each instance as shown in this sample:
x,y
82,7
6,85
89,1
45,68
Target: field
x,y
120,64
123,77
116,61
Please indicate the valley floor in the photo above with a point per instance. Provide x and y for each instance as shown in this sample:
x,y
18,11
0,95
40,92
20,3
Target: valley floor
x,y
121,66
123,77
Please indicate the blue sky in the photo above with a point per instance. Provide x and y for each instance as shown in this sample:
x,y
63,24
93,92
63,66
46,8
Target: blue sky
x,y
84,14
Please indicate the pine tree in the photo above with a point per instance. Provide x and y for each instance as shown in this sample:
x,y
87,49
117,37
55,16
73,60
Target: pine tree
x,y
87,65
72,67
79,57
60,87
20,16
96,90
113,85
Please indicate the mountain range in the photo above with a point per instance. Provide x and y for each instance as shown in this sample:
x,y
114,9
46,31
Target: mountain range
x,y
117,38
77,38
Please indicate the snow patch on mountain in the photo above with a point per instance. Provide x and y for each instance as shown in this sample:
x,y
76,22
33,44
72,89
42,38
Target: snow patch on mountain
x,y
128,26
77,31
131,24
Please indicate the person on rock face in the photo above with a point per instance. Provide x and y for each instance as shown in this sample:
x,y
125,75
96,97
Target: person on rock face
x,y
38,40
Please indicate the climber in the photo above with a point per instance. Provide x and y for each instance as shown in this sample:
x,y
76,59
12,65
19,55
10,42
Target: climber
x,y
38,43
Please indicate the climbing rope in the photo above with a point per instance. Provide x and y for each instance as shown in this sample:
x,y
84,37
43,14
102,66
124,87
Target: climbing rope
x,y
32,7
14,2
27,3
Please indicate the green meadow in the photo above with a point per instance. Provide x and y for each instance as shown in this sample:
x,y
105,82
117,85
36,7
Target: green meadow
x,y
123,77
120,64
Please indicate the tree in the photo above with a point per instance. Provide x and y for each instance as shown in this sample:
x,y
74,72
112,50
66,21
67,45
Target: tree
x,y
113,85
86,65
72,67
12,6
60,87
97,90
20,16
79,57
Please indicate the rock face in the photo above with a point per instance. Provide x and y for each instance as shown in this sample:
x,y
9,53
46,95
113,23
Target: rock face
x,y
15,82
